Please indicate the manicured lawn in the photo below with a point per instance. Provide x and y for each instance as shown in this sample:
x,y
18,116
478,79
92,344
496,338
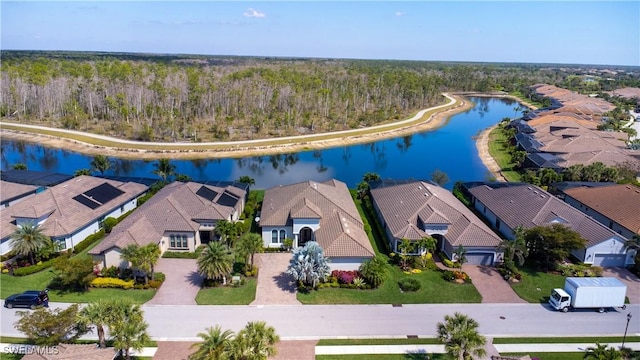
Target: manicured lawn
x,y
6,356
372,226
330,342
551,356
536,286
498,150
228,295
434,290
384,357
38,281
565,340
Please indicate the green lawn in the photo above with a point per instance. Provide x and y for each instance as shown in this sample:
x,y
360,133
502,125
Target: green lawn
x,y
407,341
564,340
434,290
497,149
384,357
536,286
551,356
228,295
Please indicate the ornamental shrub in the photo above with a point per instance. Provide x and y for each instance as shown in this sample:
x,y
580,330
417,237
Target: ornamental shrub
x,y
114,283
409,284
158,276
28,270
345,277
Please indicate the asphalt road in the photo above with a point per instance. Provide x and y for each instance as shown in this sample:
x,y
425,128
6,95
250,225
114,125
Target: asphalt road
x,y
167,322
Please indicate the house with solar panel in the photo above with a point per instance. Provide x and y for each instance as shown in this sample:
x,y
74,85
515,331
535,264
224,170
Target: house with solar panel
x,y
70,211
180,217
323,212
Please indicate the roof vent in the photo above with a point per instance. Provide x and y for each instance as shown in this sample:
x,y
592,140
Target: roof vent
x,y
419,187
542,196
426,194
535,191
529,187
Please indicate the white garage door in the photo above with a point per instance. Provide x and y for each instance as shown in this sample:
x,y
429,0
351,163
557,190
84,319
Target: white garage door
x,y
609,260
480,259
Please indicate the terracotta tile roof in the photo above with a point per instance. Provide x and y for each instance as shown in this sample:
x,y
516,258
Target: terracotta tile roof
x,y
76,352
626,92
10,190
404,204
574,102
529,206
176,207
620,203
66,214
341,232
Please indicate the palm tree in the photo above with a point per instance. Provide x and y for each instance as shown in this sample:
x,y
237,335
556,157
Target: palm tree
x,y
259,339
27,239
149,256
133,255
19,166
97,313
406,247
602,352
459,334
101,164
461,255
164,169
81,172
374,271
214,346
250,244
215,261
247,180
516,248
129,333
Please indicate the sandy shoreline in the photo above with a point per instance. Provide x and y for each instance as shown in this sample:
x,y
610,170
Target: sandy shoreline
x,y
434,121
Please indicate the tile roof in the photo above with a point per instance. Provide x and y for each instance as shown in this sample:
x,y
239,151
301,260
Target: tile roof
x,y
404,203
529,206
574,102
620,203
75,352
67,215
341,232
10,190
176,207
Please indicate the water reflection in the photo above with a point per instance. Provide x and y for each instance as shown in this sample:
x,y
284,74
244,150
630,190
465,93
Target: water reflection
x,y
450,148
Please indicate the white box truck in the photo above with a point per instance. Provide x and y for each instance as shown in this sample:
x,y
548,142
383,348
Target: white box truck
x,y
589,292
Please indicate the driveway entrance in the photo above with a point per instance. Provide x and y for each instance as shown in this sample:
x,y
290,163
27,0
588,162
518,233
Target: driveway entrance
x,y
491,285
275,287
632,282
181,285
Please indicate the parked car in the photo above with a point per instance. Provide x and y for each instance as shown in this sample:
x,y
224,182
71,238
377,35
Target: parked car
x,y
30,299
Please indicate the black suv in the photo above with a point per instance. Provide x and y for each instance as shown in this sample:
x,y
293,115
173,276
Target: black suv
x,y
30,298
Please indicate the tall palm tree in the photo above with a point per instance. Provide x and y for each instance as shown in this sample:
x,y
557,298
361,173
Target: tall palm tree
x,y
149,256
214,346
602,352
129,333
259,339
249,245
97,313
515,249
460,336
28,239
101,164
215,261
164,169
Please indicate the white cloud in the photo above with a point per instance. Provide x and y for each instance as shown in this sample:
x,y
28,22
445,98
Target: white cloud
x,y
399,13
254,13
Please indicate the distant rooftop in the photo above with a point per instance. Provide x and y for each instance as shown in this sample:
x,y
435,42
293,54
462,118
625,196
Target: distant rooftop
x,y
37,178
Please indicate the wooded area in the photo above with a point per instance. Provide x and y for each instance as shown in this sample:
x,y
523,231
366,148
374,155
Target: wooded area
x,y
208,98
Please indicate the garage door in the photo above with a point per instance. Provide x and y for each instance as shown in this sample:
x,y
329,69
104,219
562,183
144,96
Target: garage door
x,y
480,259
609,260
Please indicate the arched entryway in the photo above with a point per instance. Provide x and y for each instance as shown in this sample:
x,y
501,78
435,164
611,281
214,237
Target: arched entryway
x,y
306,234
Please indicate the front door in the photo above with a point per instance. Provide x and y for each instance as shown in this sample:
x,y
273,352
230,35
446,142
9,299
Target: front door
x,y
306,234
206,236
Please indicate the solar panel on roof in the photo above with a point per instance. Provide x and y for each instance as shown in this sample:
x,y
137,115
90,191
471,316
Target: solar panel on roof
x,y
104,193
206,193
226,199
86,201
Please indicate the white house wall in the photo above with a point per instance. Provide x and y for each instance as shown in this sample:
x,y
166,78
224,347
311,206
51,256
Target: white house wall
x,y
612,246
346,264
313,224
112,258
266,235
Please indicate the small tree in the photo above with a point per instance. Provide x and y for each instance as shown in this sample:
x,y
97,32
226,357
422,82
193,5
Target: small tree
x,y
109,223
51,327
101,164
460,255
164,169
215,261
375,270
515,249
460,336
257,341
308,265
550,244
81,172
406,247
247,180
439,177
73,273
214,346
249,245
602,352
19,166
27,239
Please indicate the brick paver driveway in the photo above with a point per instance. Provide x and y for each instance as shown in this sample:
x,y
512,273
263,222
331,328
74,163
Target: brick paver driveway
x,y
181,284
274,286
491,285
632,281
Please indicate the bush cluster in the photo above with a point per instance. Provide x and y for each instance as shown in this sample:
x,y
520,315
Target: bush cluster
x,y
345,277
115,283
409,284
509,272
179,255
28,270
454,275
251,273
580,270
88,241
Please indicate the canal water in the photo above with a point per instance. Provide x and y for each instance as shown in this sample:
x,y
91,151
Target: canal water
x,y
450,148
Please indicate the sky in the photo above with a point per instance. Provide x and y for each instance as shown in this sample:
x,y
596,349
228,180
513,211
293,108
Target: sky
x,y
573,32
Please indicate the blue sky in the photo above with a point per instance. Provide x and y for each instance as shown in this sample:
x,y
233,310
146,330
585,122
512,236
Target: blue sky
x,y
587,32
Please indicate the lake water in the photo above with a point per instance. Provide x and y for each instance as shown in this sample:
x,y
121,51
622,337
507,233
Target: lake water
x,y
450,148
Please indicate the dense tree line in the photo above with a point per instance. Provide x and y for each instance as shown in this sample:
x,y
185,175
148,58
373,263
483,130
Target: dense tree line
x,y
203,98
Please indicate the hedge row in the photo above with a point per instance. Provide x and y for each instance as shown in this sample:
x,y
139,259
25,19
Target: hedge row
x,y
179,255
28,270
107,282
88,241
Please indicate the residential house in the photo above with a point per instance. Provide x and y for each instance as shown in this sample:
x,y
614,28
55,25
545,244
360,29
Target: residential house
x,y
414,210
322,212
616,206
509,205
72,210
12,193
180,217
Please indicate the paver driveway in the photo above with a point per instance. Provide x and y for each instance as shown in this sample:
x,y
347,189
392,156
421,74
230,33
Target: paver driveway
x,y
632,281
274,286
491,285
181,284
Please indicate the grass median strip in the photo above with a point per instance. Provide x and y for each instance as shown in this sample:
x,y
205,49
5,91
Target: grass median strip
x,y
393,341
565,340
228,295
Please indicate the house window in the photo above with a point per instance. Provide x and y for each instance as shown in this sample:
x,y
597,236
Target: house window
x,y
283,235
101,222
274,236
277,237
178,242
60,244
